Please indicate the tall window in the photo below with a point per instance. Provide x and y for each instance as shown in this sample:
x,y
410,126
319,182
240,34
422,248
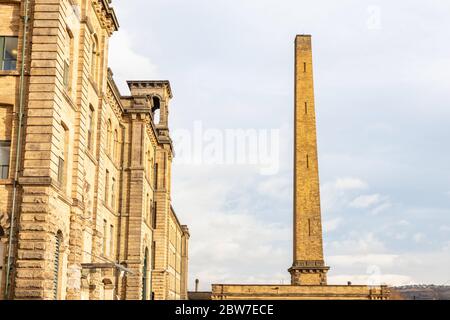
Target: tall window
x,y
111,239
153,255
106,187
68,63
5,148
63,157
154,215
145,275
105,238
116,145
155,177
94,56
8,53
91,128
156,110
113,194
109,136
57,265
2,253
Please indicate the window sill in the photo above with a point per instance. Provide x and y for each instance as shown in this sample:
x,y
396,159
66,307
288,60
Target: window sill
x,y
6,181
69,99
9,73
107,207
91,156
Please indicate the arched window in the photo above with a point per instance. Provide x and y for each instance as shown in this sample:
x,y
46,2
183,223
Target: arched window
x,y
91,127
145,276
94,58
57,265
108,137
156,110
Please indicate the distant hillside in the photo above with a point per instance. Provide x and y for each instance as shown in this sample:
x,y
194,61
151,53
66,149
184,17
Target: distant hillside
x,y
421,292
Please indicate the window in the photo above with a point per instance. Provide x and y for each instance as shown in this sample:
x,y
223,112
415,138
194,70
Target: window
x,y
111,238
156,110
145,275
306,107
91,128
105,238
109,136
61,164
62,161
69,62
94,58
57,265
66,75
146,208
5,147
2,253
113,194
304,66
116,145
153,255
106,187
154,215
156,177
8,53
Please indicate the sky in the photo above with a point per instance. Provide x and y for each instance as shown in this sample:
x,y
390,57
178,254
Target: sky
x,y
382,87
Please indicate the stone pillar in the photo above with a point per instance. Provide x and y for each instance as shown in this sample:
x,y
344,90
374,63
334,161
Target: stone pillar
x,y
135,254
308,267
184,262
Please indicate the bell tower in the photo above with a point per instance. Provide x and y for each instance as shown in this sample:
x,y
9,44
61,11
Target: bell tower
x,y
308,267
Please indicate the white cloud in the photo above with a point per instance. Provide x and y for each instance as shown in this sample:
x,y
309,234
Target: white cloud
x,y
382,207
419,237
350,184
367,279
126,63
366,243
365,201
331,225
381,260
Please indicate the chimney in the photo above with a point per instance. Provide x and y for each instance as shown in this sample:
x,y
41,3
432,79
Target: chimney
x,y
196,285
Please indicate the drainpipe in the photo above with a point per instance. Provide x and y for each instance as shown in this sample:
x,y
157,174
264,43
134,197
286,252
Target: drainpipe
x,y
18,148
119,229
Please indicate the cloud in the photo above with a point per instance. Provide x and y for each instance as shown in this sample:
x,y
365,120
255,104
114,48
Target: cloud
x,y
367,279
365,201
381,208
366,243
419,237
350,184
382,260
126,63
331,225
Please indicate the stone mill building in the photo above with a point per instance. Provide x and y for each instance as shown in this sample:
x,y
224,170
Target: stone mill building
x,y
85,184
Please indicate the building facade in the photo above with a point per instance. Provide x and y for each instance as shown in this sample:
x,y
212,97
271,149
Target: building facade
x,y
85,205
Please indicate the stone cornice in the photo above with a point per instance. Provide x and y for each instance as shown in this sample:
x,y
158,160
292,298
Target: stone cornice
x,y
106,15
151,84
